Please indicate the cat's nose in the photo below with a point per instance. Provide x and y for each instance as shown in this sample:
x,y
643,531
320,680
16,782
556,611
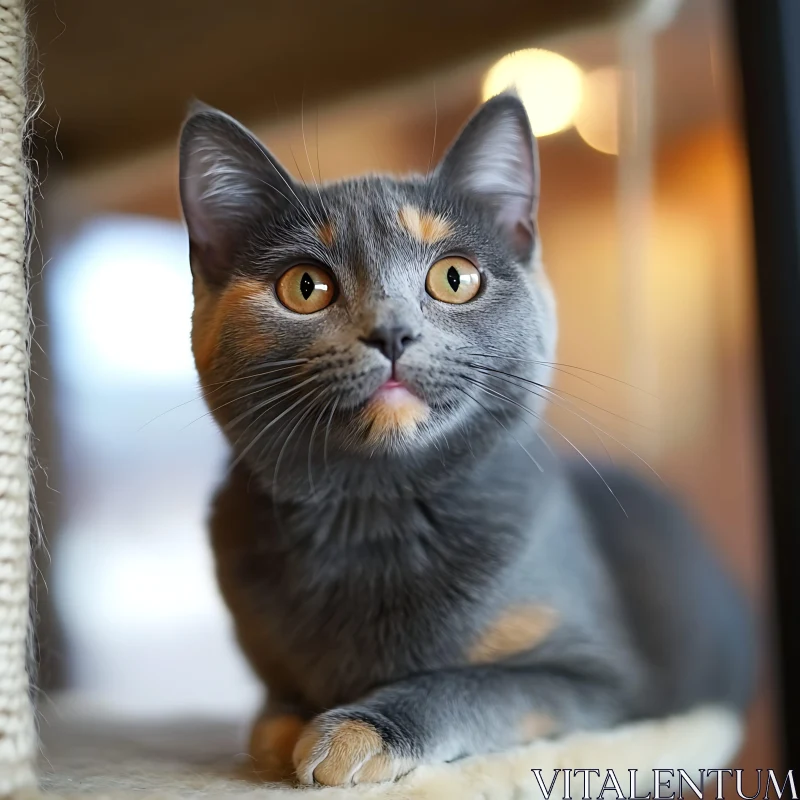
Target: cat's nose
x,y
390,340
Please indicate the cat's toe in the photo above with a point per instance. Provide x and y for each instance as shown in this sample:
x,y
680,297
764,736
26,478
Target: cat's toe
x,y
337,750
383,767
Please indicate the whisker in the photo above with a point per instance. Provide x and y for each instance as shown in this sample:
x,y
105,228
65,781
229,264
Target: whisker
x,y
305,147
525,422
554,364
258,436
505,428
319,169
311,442
297,167
558,392
601,430
288,183
289,186
548,399
500,395
202,395
327,433
602,375
435,127
313,216
289,200
533,361
257,388
263,406
301,417
236,399
597,429
286,363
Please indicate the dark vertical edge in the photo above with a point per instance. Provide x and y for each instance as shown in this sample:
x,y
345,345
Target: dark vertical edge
x,y
768,33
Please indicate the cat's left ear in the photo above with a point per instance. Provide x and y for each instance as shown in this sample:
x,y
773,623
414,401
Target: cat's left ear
x,y
495,158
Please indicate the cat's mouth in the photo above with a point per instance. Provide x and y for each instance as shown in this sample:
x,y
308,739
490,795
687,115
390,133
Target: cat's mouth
x,y
393,388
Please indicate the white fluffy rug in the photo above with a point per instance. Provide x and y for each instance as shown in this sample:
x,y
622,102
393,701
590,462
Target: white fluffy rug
x,y
106,758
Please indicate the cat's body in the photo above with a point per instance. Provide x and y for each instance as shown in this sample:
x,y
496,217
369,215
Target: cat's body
x,y
411,570
350,593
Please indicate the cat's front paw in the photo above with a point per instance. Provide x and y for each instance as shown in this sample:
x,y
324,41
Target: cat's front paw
x,y
343,747
272,742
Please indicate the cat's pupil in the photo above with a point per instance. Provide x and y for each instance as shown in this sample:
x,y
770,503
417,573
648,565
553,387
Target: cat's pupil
x,y
453,278
306,286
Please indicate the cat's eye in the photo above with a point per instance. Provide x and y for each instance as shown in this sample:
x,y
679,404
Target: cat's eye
x,y
305,289
453,280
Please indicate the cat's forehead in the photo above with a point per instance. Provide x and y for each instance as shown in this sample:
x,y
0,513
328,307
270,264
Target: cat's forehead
x,y
376,208
374,222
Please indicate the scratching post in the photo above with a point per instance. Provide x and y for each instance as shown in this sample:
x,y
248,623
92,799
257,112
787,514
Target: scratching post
x,y
17,733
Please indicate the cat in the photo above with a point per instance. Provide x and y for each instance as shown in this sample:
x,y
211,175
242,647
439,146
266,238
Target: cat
x,y
412,572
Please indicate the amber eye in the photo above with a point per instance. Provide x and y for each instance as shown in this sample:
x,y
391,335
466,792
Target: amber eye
x,y
453,280
305,289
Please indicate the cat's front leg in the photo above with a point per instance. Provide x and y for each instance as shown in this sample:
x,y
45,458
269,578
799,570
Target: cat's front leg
x,y
274,736
441,716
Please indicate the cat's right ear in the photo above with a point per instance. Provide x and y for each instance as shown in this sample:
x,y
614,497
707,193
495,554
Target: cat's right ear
x,y
495,159
228,180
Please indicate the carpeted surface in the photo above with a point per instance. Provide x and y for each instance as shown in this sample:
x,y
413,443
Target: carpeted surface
x,y
112,758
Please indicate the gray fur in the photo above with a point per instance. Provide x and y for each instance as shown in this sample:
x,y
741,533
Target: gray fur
x,y
370,569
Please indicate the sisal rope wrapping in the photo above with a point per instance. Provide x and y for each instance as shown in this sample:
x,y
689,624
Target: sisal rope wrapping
x,y
17,731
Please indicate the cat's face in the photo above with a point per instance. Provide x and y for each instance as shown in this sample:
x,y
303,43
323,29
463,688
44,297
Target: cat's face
x,y
367,316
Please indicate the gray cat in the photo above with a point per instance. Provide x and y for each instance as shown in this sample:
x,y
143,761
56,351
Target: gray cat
x,y
412,572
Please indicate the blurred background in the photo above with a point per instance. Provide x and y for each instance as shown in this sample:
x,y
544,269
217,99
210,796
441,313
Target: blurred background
x,y
647,239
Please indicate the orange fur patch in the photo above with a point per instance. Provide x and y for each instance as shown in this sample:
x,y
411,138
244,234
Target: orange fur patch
x,y
426,228
326,233
517,630
271,745
385,418
234,308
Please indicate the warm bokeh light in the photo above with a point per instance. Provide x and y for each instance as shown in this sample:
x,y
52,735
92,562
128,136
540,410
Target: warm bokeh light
x,y
549,85
597,117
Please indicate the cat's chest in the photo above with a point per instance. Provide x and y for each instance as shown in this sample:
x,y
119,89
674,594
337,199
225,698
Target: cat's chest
x,y
335,600
382,589
350,618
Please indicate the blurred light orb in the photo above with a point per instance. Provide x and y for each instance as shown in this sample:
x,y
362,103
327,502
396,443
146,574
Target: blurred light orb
x,y
549,85
597,120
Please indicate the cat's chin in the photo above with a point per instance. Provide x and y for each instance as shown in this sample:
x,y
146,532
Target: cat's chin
x,y
393,415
